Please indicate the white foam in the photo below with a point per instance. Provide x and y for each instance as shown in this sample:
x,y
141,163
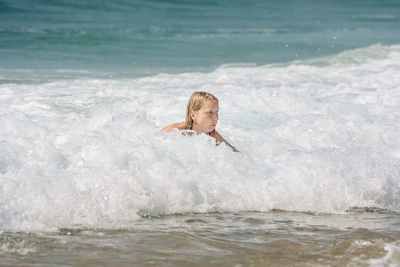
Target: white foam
x,y
312,137
392,257
9,245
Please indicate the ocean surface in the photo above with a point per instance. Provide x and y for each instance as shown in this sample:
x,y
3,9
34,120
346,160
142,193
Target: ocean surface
x,y
309,93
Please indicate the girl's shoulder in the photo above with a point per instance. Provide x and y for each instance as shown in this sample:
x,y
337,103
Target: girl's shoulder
x,y
171,127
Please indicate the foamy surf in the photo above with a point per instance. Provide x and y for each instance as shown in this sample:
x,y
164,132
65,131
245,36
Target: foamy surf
x,y
391,258
313,137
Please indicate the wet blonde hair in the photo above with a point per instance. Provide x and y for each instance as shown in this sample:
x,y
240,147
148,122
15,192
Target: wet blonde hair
x,y
196,101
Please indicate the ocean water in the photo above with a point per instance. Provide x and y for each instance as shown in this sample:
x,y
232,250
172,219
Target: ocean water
x,y
309,93
48,40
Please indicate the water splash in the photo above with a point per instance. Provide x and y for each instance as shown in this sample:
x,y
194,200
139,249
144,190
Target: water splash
x,y
313,137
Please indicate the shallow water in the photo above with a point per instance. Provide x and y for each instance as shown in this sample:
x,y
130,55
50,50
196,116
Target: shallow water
x,y
361,237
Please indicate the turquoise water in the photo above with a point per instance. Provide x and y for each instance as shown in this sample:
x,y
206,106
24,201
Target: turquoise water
x,y
64,39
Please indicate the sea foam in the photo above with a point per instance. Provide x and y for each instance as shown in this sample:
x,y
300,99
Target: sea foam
x,y
316,135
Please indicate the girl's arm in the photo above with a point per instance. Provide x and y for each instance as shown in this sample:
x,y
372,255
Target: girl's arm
x,y
220,139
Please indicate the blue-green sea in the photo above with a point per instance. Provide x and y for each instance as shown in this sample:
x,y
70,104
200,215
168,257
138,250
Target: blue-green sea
x,y
131,38
309,93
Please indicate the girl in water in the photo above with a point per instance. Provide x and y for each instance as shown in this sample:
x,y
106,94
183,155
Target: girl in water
x,y
201,117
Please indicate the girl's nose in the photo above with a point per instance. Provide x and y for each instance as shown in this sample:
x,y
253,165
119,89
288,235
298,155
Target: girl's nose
x,y
215,117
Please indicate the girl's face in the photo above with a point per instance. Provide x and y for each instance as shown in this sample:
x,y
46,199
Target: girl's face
x,y
206,118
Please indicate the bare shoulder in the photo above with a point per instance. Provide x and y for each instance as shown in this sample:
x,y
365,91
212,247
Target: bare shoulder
x,y
171,127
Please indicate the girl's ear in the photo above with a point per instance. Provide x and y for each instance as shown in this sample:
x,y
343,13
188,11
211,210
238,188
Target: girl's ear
x,y
192,115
